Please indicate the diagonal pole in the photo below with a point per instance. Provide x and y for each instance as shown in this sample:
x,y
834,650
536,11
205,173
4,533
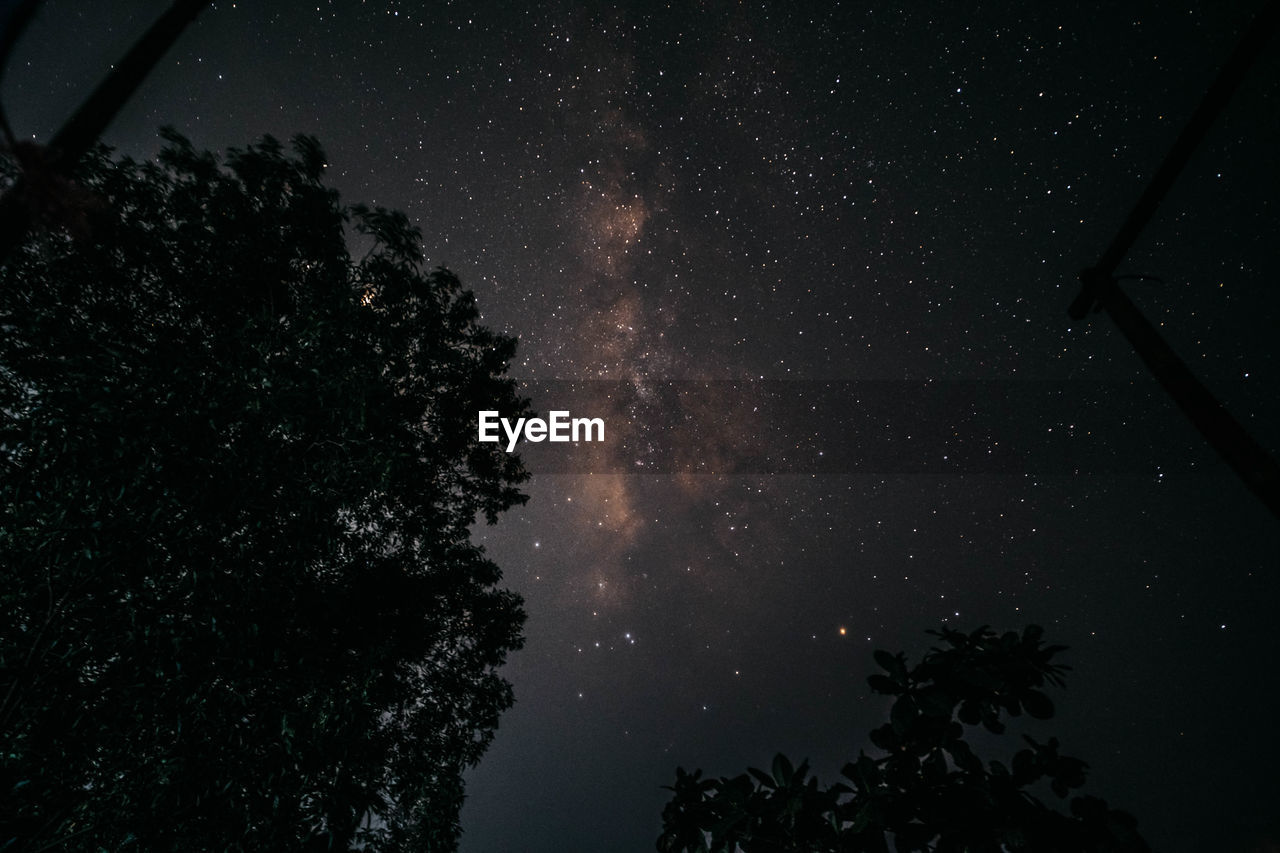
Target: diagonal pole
x,y
81,131
1249,459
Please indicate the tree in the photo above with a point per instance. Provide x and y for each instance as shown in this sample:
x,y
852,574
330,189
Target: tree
x,y
241,607
929,791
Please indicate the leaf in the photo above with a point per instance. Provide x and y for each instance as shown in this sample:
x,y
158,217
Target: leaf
x,y
1037,704
886,738
963,756
895,665
782,770
763,778
934,768
1024,767
884,685
935,702
903,713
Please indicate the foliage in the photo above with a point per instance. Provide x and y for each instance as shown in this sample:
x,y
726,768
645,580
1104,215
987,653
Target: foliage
x,y
929,791
241,609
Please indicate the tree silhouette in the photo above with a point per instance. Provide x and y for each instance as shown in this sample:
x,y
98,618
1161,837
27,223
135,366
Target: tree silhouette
x,y
241,608
929,791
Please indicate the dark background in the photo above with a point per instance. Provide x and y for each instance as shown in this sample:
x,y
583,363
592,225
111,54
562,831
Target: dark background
x,y
829,196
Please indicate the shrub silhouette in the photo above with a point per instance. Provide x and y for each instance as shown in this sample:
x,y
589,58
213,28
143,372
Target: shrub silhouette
x,y
928,791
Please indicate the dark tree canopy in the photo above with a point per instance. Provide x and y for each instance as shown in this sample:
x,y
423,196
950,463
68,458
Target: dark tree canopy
x,y
240,608
928,791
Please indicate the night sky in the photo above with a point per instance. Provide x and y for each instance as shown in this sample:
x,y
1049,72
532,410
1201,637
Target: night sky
x,y
811,263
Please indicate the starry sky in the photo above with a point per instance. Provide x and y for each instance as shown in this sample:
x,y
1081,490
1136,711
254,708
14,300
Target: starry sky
x,y
811,263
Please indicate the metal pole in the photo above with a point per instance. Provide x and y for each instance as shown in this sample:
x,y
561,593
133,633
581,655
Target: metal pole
x,y
1249,459
82,130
